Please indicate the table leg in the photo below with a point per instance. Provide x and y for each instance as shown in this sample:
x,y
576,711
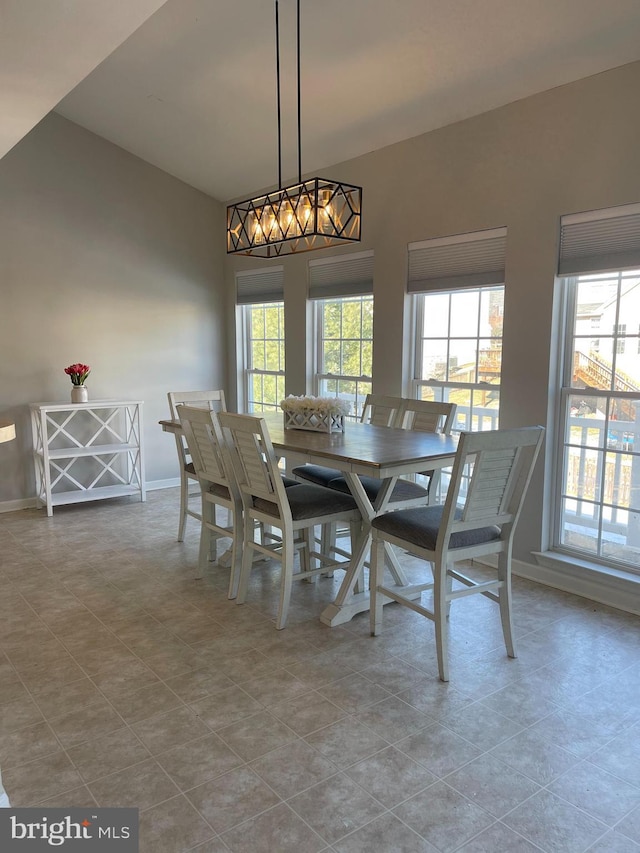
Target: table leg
x,y
348,602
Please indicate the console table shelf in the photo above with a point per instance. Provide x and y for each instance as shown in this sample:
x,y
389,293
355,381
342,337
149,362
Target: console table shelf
x,y
87,451
93,450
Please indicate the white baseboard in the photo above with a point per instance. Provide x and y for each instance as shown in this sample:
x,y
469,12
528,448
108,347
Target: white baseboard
x,y
30,503
597,583
154,485
23,503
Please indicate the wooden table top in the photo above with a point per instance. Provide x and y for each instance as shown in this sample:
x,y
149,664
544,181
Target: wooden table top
x,y
361,447
374,446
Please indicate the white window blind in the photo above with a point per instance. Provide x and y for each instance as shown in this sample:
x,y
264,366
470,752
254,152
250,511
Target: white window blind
x,y
600,241
263,285
476,259
345,275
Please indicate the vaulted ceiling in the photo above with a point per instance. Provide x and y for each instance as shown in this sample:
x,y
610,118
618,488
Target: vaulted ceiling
x,y
192,89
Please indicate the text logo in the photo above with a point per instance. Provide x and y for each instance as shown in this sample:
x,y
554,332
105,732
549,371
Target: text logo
x,y
72,830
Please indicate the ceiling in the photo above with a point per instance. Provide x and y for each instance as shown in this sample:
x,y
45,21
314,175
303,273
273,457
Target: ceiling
x,y
192,90
48,46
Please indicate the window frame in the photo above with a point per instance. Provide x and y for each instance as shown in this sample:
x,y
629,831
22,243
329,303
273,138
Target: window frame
x,y
566,391
319,376
418,303
248,370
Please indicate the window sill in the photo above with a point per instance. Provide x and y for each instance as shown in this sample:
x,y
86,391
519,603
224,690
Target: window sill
x,y
600,583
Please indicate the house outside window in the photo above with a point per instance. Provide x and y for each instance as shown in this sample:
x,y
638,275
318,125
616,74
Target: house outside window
x,y
458,284
621,331
597,513
341,289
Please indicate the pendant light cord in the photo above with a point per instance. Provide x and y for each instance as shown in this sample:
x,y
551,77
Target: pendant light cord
x,y
298,73
278,98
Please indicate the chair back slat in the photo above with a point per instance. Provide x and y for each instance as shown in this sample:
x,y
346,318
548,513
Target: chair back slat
x,y
205,444
489,488
256,471
207,400
496,467
255,460
213,400
428,416
210,457
381,410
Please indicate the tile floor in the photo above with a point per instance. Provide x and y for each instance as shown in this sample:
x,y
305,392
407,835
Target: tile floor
x,y
123,681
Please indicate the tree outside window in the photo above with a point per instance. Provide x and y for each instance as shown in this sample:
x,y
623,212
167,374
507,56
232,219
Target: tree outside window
x,y
345,349
264,341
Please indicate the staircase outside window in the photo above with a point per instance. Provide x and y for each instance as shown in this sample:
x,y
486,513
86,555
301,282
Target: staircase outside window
x,y
598,512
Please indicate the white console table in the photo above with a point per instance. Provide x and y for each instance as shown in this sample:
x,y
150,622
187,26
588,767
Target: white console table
x,y
87,451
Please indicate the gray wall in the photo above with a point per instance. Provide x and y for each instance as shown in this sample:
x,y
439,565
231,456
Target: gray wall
x,y
570,149
110,261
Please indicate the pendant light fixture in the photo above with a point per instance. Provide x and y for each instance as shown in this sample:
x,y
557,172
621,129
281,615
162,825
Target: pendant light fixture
x,y
310,214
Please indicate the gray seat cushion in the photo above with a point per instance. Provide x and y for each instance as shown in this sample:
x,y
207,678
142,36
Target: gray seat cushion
x,y
419,526
289,482
404,490
309,502
316,474
190,469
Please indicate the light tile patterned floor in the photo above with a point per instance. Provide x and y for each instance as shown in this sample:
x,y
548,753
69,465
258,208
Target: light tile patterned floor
x,y
123,681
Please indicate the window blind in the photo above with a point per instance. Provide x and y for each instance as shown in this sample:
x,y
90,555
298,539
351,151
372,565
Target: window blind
x,y
600,240
475,259
344,275
263,285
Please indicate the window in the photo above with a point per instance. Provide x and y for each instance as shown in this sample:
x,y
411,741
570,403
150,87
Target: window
x,y
261,307
345,349
264,324
341,289
598,493
459,353
459,310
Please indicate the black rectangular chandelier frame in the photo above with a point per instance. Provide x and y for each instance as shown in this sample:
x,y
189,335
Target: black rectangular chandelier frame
x,y
312,214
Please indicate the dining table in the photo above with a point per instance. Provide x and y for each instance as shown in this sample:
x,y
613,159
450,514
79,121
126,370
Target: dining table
x,y
384,453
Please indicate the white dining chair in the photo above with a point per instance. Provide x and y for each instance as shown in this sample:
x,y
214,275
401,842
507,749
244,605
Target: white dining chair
x,y
429,416
213,400
212,465
293,511
419,415
490,477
